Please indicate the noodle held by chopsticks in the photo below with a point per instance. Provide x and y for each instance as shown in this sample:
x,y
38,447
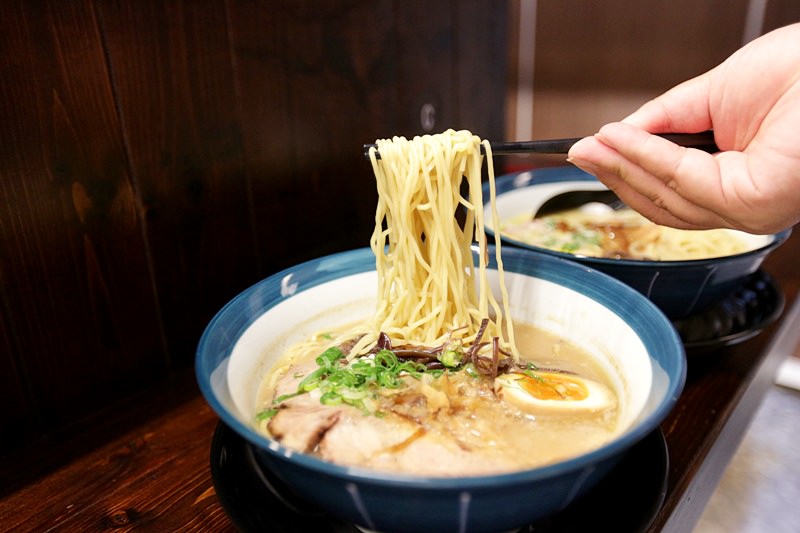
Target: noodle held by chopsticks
x,y
428,286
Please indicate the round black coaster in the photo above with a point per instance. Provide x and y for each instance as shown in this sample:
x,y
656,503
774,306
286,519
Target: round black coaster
x,y
742,315
626,500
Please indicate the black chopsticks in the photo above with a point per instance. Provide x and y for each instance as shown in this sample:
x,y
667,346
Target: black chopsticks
x,y
702,141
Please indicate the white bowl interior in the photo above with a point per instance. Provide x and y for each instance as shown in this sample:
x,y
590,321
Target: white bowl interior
x,y
528,198
640,384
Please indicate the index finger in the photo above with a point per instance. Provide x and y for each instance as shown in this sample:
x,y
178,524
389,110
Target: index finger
x,y
654,196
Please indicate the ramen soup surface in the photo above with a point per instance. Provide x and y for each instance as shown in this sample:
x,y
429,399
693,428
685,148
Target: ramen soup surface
x,y
595,230
453,423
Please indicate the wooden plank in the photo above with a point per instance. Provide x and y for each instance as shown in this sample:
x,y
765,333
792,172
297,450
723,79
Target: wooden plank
x,y
149,476
779,13
316,82
427,68
78,308
482,42
173,79
623,45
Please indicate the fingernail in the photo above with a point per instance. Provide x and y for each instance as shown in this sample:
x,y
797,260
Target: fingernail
x,y
583,164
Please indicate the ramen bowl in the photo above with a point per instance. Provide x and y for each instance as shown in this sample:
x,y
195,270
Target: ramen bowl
x,y
679,288
611,321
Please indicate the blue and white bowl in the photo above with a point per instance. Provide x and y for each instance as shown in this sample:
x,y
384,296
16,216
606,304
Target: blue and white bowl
x,y
679,288
625,331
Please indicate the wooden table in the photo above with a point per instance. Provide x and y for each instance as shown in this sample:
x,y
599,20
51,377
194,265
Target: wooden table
x,y
144,464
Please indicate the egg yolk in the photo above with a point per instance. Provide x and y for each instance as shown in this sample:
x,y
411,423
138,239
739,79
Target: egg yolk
x,y
553,387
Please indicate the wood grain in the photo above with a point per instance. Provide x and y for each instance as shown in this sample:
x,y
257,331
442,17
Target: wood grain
x,y
152,476
79,315
629,46
157,158
173,78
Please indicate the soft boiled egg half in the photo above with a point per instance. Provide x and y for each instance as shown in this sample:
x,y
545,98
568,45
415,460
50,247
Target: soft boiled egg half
x,y
552,392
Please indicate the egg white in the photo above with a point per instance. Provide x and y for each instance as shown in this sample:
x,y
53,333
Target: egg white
x,y
600,397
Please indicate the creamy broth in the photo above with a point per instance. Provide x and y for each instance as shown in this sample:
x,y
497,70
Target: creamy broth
x,y
450,424
598,231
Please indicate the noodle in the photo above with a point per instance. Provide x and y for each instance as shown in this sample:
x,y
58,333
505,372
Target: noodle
x,y
428,286
622,234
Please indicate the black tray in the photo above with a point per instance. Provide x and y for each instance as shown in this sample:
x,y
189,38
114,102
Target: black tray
x,y
742,315
626,501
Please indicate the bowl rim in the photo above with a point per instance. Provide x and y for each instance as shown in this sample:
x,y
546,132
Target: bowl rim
x,y
531,178
644,317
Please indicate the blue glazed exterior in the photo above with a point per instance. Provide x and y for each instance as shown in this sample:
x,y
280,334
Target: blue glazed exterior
x,y
415,506
678,288
393,503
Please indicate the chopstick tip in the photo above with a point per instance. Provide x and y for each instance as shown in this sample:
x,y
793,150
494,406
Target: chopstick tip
x,y
367,149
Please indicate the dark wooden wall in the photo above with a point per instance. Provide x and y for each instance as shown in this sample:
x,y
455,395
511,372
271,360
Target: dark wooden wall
x,y
158,157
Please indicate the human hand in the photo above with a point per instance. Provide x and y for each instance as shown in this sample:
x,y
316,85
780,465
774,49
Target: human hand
x,y
752,102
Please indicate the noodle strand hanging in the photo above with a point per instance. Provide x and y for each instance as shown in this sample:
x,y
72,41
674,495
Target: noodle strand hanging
x,y
428,284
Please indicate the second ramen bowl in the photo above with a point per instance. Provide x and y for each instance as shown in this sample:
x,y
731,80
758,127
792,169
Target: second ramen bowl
x,y
678,288
607,318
